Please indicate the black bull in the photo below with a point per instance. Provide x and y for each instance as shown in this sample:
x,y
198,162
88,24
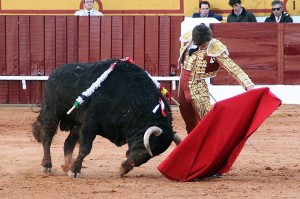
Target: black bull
x,y
121,110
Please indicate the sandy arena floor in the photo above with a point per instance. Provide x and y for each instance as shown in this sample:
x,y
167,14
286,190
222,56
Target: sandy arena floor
x,y
271,172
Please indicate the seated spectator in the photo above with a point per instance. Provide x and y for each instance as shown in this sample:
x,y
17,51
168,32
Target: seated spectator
x,y
278,15
88,9
239,13
204,11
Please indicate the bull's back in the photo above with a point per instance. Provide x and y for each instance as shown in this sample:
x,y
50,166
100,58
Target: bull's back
x,y
127,83
68,81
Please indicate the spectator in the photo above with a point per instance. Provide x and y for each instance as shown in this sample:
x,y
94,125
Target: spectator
x,y
88,9
197,65
278,15
239,13
204,11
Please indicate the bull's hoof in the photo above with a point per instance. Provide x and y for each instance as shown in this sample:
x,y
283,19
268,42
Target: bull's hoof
x,y
73,175
46,170
125,167
65,168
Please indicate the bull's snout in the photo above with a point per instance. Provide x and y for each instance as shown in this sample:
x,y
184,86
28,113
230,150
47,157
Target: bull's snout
x,y
126,166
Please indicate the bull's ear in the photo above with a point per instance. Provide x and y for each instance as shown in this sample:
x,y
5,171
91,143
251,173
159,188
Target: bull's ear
x,y
151,130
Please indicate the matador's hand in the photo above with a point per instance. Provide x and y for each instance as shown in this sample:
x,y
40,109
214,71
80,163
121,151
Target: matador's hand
x,y
249,88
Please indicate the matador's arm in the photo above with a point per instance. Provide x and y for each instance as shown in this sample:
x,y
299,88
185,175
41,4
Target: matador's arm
x,y
219,51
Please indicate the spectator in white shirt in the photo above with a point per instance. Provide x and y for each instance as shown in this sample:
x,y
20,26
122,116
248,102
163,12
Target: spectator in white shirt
x,y
88,9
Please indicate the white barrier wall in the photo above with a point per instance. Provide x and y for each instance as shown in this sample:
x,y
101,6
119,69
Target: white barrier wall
x,y
289,94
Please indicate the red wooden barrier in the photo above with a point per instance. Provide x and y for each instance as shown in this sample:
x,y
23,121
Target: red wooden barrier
x,y
268,52
291,45
33,45
139,41
106,38
129,30
12,58
3,84
253,47
50,58
24,55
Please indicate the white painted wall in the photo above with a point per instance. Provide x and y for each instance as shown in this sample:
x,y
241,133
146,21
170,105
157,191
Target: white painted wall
x,y
289,94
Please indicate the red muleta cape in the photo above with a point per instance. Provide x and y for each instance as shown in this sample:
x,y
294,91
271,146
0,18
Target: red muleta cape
x,y
215,143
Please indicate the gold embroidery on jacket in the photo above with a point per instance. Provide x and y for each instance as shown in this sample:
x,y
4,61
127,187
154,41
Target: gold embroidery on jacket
x,y
197,64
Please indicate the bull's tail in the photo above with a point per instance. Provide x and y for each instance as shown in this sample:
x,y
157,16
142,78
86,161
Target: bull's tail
x,y
36,130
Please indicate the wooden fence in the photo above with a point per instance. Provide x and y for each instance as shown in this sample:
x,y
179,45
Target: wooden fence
x,y
268,52
36,45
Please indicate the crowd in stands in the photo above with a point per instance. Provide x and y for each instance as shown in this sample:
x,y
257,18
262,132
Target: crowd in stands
x,y
240,14
237,14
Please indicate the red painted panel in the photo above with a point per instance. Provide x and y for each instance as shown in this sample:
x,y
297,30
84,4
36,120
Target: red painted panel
x,y
291,34
292,69
50,59
106,48
292,77
72,39
37,49
255,51
3,84
3,92
291,40
257,76
249,30
128,36
266,60
29,44
139,41
175,43
12,58
164,46
292,49
24,56
24,45
252,48
174,51
2,46
151,44
83,39
37,40
257,44
95,23
61,40
117,38
292,63
164,50
50,63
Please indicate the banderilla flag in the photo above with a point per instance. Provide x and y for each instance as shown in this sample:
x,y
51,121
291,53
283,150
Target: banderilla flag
x,y
215,143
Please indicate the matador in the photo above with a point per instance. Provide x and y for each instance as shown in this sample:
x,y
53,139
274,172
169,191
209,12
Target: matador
x,y
200,63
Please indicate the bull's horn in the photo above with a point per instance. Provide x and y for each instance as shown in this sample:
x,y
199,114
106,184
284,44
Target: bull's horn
x,y
151,130
176,139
